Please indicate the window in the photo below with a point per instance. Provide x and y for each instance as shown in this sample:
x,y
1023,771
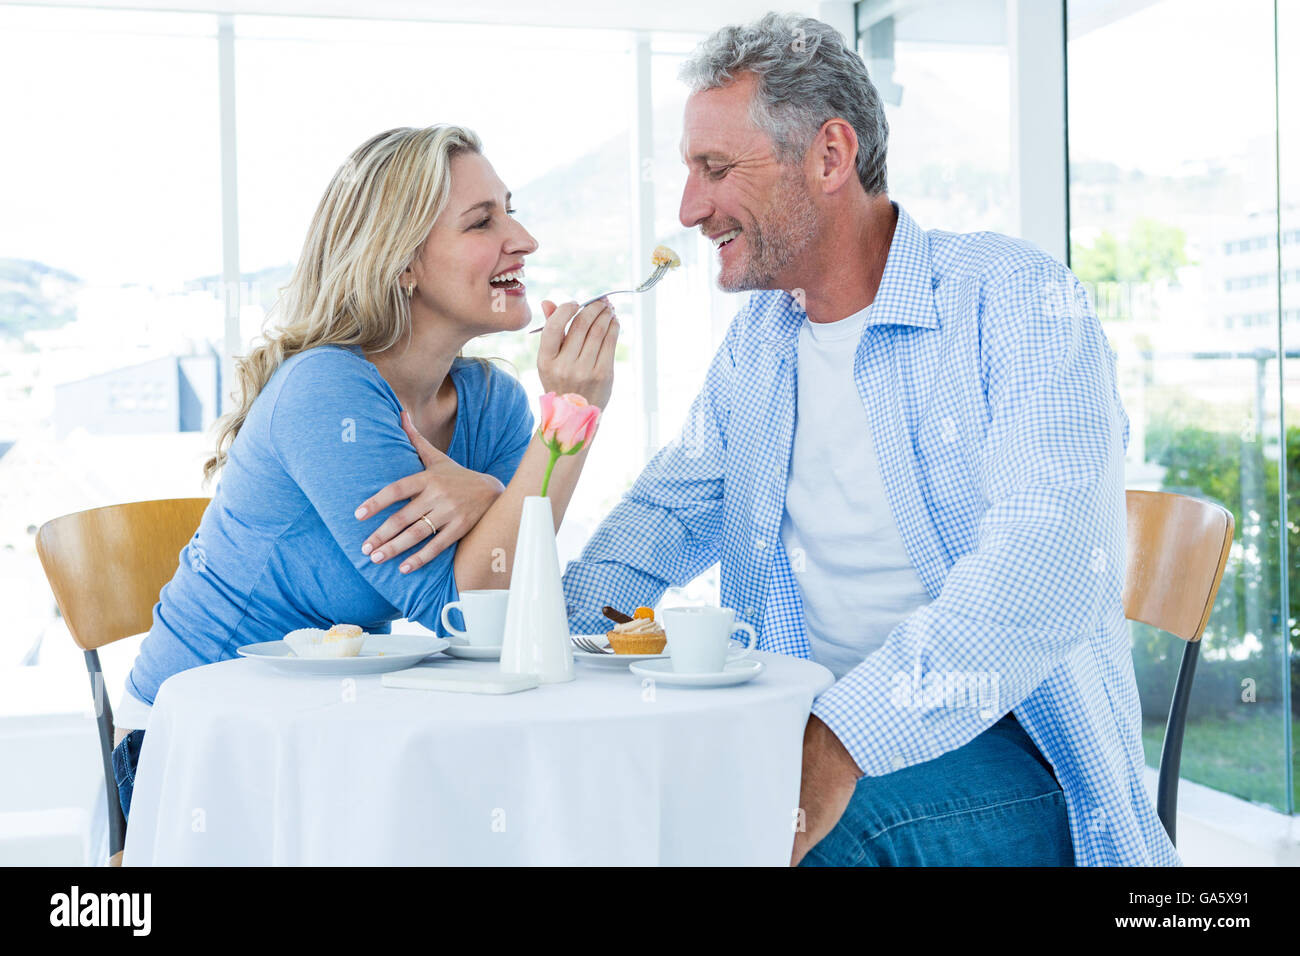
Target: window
x,y
1175,233
110,243
943,71
106,254
1288,191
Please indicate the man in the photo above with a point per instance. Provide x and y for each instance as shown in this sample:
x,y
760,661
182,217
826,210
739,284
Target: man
x,y
908,456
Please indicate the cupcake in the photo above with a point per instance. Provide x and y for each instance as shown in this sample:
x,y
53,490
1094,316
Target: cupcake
x,y
341,632
341,640
641,635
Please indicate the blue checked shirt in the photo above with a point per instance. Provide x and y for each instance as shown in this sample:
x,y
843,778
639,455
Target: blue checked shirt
x,y
990,388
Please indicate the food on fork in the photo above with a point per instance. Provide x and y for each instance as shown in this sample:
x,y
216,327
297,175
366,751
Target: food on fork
x,y
641,635
663,259
341,640
663,256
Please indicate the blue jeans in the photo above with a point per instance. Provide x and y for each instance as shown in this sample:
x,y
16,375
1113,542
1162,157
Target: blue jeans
x,y
126,756
993,802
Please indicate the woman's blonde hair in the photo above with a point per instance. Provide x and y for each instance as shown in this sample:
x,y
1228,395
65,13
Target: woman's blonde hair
x,y
368,228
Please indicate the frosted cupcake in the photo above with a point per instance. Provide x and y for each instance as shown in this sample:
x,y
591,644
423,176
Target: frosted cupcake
x,y
641,635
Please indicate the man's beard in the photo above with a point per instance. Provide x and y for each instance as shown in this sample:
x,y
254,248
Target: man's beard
x,y
788,229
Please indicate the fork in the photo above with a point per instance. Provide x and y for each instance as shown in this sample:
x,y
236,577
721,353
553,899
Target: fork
x,y
590,646
650,283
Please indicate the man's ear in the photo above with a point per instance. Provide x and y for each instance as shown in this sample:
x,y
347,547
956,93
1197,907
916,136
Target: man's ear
x,y
837,152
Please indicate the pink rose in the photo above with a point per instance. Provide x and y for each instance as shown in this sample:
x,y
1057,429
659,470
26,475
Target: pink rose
x,y
568,422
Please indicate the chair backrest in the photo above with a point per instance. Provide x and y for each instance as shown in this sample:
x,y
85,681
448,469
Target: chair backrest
x,y
107,565
1177,549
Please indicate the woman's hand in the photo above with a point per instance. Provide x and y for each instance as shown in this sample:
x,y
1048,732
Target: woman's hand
x,y
580,361
453,498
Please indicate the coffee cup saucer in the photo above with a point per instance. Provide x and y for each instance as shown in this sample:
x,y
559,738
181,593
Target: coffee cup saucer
x,y
734,672
462,648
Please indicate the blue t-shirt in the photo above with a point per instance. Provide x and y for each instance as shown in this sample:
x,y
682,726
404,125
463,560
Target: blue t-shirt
x,y
279,547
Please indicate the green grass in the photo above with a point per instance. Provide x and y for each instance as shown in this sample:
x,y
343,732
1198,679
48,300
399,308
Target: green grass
x,y
1238,754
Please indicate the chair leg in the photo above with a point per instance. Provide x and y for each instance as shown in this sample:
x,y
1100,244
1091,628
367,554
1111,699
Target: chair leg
x,y
1171,753
104,718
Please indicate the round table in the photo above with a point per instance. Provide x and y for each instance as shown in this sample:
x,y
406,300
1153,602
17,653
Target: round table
x,y
243,764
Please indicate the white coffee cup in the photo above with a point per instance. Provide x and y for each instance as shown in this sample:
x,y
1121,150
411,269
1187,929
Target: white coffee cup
x,y
485,616
699,638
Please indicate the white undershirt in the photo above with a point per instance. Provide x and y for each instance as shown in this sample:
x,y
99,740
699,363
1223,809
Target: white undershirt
x,y
857,581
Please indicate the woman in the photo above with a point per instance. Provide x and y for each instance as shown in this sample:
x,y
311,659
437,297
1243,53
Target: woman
x,y
413,252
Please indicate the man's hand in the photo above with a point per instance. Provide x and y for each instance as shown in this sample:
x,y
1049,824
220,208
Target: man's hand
x,y
829,778
452,497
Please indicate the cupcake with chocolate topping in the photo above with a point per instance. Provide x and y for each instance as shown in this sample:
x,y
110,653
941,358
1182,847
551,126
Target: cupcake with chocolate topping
x,y
641,635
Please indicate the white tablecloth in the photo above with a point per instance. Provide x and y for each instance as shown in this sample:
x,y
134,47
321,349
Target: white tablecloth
x,y
246,765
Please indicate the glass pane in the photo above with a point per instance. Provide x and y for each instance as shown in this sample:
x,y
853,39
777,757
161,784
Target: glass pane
x,y
110,248
110,330
1173,229
1288,37
943,71
310,91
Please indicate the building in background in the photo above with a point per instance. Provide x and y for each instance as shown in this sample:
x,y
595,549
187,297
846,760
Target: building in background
x,y
174,394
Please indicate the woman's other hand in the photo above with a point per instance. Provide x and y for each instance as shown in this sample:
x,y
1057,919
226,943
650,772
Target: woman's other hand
x,y
453,498
580,361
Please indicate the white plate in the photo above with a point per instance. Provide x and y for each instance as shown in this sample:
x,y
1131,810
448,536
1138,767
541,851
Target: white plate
x,y
736,672
380,654
611,660
466,651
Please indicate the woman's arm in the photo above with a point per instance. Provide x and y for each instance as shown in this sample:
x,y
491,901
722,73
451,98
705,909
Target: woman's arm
x,y
581,362
331,423
485,556
453,498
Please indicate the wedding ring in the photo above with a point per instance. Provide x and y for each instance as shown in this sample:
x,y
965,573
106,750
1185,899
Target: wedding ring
x,y
432,529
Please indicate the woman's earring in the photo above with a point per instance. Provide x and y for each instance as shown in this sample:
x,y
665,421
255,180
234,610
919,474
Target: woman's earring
x,y
410,290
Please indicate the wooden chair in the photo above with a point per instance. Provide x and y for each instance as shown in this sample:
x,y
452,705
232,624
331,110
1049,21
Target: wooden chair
x,y
106,567
1177,549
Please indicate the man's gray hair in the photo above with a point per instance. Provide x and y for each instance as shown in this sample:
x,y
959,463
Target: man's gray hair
x,y
805,76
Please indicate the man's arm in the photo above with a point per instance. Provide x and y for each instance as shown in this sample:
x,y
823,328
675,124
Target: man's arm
x,y
1051,549
667,529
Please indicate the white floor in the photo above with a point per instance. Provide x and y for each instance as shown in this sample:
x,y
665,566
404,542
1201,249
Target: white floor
x,y
53,808
1215,829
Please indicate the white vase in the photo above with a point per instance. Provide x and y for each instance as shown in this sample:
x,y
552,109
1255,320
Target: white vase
x,y
537,625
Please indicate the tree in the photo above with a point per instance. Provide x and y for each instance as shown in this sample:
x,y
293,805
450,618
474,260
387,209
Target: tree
x,y
1209,463
1153,251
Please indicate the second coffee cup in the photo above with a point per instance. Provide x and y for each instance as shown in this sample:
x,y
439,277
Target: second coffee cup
x,y
484,614
699,638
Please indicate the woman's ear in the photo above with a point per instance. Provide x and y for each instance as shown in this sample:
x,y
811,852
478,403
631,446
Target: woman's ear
x,y
408,282
408,276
